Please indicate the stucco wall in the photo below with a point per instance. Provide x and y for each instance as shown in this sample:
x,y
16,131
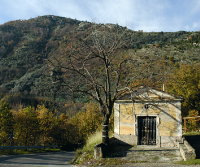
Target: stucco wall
x,y
126,119
168,116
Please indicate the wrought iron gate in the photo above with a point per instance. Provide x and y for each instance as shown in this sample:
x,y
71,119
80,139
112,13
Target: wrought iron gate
x,y
147,130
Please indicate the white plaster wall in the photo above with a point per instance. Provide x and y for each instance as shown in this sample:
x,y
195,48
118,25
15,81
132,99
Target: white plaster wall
x,y
179,119
162,140
116,118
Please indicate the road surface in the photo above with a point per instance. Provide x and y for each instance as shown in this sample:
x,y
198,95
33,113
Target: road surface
x,y
51,159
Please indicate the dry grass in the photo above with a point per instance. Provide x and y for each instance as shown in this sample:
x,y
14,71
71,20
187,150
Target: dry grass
x,y
93,140
87,152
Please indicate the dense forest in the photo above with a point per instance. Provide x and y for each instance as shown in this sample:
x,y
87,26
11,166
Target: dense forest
x,y
28,90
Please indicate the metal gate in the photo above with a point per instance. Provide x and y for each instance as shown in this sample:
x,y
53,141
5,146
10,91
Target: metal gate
x,y
147,130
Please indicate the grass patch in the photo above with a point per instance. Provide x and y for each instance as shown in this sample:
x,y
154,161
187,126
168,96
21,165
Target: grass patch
x,y
29,151
85,156
87,152
92,141
189,162
192,133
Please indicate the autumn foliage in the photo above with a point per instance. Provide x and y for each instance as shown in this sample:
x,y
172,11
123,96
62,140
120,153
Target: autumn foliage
x,y
185,82
193,123
40,126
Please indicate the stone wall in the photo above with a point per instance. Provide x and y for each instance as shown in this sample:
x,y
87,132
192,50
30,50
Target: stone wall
x,y
168,121
186,150
126,139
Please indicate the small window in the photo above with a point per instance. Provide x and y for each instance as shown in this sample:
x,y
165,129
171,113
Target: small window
x,y
146,106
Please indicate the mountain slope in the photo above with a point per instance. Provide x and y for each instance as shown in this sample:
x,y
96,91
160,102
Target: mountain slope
x,y
26,45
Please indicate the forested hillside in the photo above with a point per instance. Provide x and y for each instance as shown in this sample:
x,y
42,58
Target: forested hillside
x,y
26,45
31,50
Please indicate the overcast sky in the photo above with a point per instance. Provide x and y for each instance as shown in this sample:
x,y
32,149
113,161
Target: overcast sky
x,y
146,15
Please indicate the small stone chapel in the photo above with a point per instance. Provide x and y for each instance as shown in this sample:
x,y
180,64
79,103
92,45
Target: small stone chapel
x,y
148,117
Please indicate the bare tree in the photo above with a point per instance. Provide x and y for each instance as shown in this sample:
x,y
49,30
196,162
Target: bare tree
x,y
99,66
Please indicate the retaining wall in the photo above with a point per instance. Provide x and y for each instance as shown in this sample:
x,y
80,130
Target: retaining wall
x,y
186,150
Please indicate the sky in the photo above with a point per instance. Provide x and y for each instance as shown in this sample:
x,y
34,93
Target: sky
x,y
146,15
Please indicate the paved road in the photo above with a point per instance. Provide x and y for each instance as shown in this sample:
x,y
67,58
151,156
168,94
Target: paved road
x,y
52,159
155,165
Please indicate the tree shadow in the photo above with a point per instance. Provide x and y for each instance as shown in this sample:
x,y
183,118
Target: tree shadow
x,y
194,142
117,151
117,148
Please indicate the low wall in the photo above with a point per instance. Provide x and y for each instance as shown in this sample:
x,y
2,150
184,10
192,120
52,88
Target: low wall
x,y
186,150
100,151
162,141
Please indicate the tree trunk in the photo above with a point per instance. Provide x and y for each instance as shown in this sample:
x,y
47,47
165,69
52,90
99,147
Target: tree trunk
x,y
105,135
